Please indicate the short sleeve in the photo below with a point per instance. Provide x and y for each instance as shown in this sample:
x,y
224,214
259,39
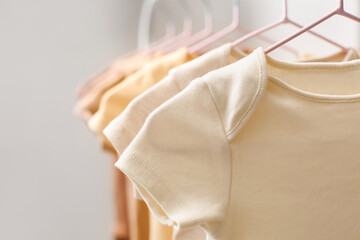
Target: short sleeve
x,y
180,160
122,130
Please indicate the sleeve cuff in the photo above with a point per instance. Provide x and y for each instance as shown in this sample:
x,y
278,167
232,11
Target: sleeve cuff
x,y
119,144
161,199
119,136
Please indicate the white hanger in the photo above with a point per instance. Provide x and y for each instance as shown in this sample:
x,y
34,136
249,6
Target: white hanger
x,y
202,34
185,33
145,24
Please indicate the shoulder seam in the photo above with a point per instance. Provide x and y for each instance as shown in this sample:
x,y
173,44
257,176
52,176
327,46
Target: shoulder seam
x,y
253,104
216,107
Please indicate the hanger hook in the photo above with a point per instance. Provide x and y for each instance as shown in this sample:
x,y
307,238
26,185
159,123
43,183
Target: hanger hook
x,y
170,24
285,10
208,13
144,23
236,12
341,4
187,16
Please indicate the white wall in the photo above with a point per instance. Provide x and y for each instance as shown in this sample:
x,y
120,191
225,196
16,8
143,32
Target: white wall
x,y
55,182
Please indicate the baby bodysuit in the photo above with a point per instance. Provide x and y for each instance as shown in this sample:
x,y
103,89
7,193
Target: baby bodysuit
x,y
259,149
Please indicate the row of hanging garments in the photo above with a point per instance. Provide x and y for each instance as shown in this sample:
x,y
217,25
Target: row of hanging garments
x,y
221,142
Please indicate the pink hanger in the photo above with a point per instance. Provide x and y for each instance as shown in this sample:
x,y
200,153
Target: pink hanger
x,y
284,20
234,26
338,11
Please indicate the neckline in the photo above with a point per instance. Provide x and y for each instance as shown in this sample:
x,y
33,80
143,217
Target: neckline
x,y
340,56
265,61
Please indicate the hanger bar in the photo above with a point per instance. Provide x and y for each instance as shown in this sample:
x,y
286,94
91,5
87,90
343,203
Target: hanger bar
x,y
320,36
338,11
256,32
